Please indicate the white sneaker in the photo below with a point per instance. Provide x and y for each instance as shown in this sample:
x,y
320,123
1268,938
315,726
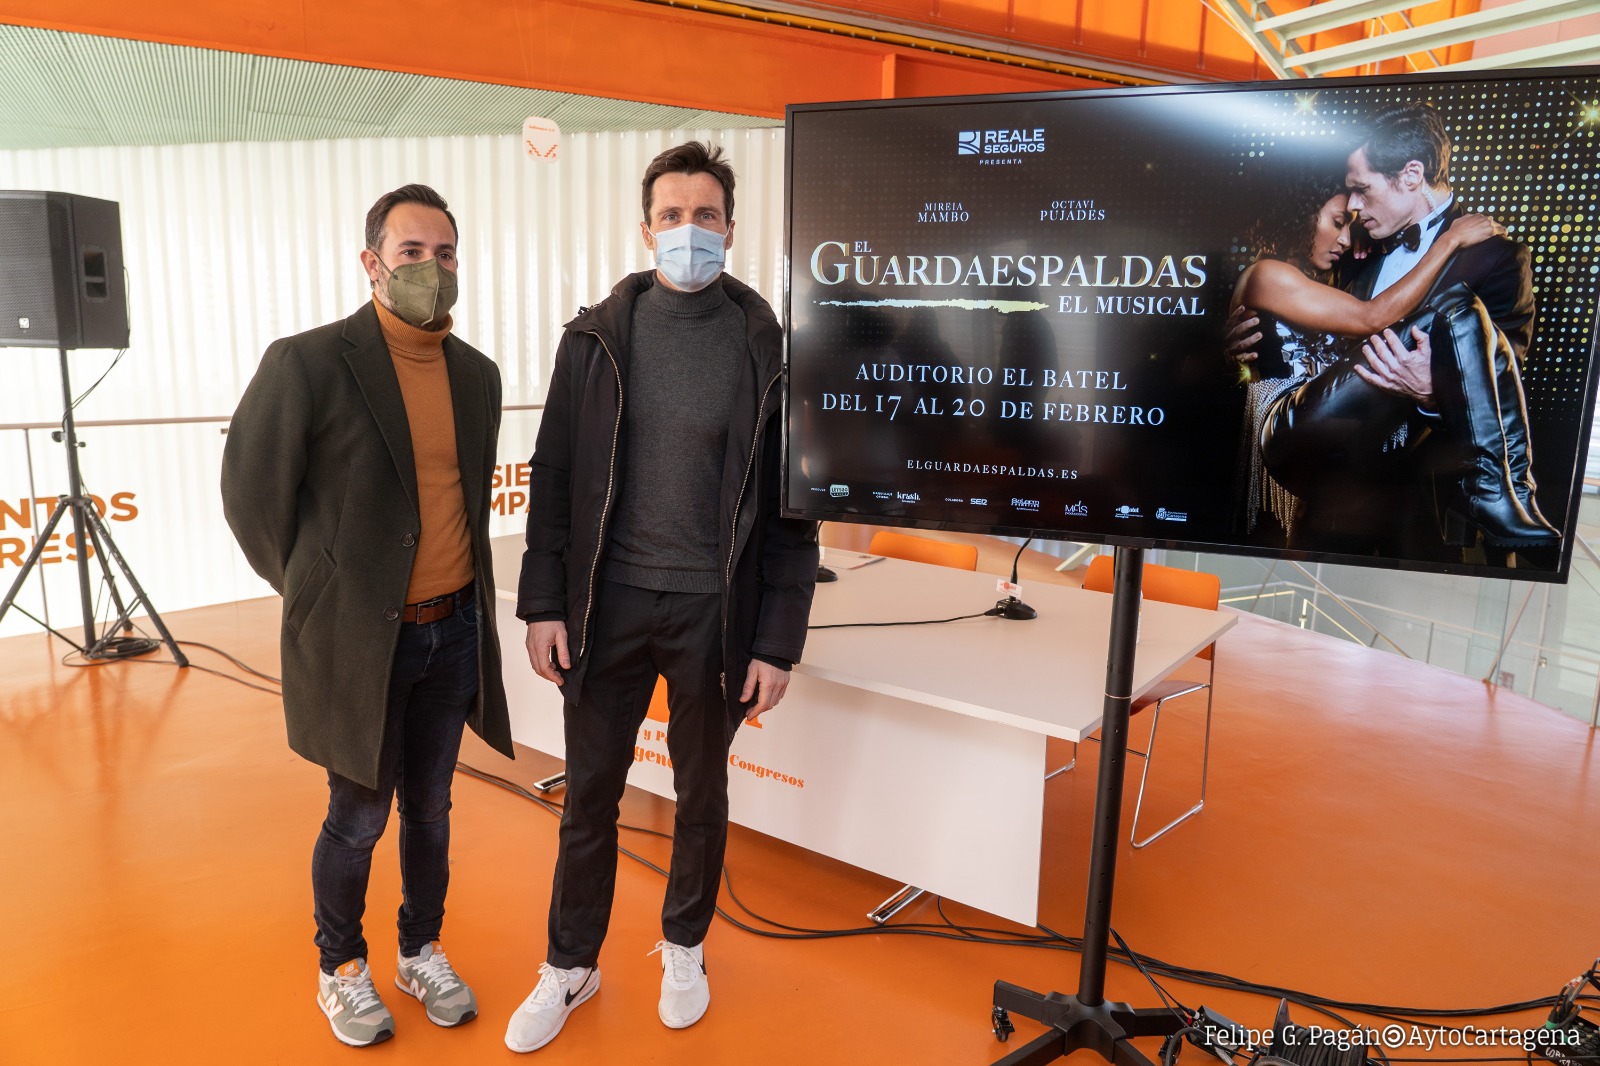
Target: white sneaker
x,y
685,995
545,1011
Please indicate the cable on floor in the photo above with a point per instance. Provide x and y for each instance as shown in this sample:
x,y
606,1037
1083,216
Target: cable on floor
x,y
1049,939
75,659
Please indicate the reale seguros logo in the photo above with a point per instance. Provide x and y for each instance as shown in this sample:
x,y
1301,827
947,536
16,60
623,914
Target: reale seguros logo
x,y
999,142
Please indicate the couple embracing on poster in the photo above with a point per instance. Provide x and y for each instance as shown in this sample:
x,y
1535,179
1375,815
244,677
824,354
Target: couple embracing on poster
x,y
1382,331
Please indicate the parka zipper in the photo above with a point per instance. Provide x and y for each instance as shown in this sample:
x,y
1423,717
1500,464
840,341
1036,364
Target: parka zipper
x,y
738,505
605,509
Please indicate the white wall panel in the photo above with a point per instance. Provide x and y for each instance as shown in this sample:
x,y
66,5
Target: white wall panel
x,y
231,245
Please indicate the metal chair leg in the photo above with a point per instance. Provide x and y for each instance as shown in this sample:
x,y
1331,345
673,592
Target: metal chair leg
x,y
1064,769
1150,748
903,897
1074,762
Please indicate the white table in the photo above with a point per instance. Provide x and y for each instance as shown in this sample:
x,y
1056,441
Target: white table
x,y
917,752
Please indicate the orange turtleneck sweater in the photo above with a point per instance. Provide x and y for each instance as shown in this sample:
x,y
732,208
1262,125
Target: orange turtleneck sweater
x,y
444,545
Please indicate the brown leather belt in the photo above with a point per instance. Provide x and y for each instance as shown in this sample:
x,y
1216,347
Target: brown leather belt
x,y
436,609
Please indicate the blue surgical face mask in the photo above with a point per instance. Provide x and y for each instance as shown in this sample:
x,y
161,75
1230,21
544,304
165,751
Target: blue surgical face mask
x,y
690,257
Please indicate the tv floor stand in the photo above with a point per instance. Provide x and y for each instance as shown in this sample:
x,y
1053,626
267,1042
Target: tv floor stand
x,y
1084,1021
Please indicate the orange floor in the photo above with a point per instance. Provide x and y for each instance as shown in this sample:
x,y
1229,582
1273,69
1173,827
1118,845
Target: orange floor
x,y
1377,831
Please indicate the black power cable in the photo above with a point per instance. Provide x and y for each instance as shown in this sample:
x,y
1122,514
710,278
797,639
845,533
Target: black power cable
x,y
75,659
1010,607
84,395
240,663
918,622
1182,1013
1052,940
950,930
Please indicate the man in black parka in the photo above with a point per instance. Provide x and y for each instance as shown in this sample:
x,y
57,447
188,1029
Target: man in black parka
x,y
656,545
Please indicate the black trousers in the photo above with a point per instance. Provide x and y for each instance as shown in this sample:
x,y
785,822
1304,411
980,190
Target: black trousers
x,y
639,633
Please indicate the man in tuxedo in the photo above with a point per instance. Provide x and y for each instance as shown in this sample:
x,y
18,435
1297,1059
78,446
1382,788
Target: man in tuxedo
x,y
1399,182
1364,441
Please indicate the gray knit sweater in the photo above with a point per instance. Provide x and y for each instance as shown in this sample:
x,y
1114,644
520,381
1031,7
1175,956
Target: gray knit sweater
x,y
683,362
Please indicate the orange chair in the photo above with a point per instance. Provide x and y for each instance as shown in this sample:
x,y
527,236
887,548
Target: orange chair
x,y
1191,589
923,550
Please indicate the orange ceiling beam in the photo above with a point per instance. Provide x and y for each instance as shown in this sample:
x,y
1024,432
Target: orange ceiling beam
x,y
622,49
1180,39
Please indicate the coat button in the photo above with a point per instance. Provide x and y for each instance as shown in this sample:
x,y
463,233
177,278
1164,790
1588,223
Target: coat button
x,y
391,613
408,540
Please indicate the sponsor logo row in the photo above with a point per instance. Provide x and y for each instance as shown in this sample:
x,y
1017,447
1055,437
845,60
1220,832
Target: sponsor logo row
x,y
1079,509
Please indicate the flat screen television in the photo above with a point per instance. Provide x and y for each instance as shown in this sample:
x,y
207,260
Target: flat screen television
x,y
1011,314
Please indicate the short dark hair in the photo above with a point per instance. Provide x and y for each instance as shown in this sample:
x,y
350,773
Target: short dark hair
x,y
691,158
378,216
1397,135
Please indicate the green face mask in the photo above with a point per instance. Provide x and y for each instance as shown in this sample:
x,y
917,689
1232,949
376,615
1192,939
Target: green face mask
x,y
422,293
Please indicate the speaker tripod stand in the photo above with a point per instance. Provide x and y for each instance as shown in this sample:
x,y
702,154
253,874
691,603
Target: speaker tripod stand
x,y
91,537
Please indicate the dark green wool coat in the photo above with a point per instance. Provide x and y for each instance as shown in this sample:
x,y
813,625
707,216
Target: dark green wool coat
x,y
319,485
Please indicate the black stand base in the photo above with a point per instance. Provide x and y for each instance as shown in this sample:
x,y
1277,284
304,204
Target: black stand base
x,y
99,544
1074,1026
1015,610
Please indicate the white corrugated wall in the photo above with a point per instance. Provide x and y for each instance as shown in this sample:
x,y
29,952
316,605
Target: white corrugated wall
x,y
229,246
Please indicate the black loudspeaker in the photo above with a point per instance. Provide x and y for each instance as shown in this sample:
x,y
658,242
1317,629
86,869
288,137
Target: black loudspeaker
x,y
61,282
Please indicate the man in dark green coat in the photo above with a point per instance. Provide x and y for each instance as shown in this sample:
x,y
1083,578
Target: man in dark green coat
x,y
356,479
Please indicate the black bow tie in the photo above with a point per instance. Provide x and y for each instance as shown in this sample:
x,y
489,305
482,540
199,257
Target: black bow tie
x,y
1409,238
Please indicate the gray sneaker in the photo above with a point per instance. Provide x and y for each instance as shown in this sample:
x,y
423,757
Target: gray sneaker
x,y
429,977
545,1011
355,1012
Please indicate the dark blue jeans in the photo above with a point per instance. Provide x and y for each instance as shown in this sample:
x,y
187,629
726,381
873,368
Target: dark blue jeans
x,y
432,686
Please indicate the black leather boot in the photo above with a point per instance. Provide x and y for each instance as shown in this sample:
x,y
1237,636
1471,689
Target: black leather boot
x,y
1514,426
1470,356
